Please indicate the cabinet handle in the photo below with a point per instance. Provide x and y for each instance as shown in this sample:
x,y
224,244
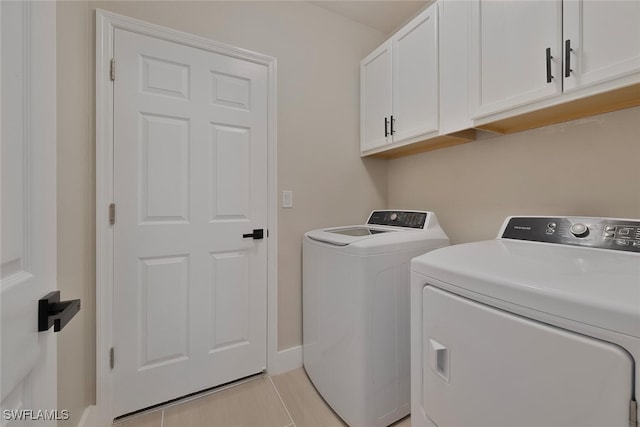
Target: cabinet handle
x,y
392,122
549,58
567,58
386,127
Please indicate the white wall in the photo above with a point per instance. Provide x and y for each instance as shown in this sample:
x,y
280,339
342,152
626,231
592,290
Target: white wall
x,y
318,156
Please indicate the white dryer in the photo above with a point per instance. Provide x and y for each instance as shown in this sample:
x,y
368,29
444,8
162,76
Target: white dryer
x,y
356,312
538,328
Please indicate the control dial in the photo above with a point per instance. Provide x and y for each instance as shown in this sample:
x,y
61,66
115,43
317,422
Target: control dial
x,y
394,216
579,230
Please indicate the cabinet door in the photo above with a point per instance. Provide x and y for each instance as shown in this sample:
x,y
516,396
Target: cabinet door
x,y
508,53
604,37
375,97
415,77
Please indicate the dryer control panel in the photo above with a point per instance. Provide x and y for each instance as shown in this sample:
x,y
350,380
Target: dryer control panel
x,y
603,233
409,219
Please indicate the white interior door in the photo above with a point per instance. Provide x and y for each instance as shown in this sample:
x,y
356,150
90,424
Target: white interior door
x,y
190,179
28,210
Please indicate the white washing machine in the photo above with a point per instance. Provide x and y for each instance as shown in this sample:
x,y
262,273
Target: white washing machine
x,y
356,312
538,328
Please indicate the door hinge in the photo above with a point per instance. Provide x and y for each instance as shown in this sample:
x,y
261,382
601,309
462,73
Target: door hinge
x,y
112,70
112,358
112,213
633,413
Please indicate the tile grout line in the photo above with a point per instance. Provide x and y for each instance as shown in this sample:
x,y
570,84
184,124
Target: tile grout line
x,y
292,424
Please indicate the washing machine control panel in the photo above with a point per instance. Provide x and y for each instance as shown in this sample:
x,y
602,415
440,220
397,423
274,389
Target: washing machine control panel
x,y
604,233
410,219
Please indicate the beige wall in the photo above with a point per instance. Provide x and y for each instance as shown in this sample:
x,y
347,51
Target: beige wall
x,y
583,167
318,128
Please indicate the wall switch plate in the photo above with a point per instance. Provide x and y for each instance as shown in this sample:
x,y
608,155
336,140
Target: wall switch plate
x,y
287,199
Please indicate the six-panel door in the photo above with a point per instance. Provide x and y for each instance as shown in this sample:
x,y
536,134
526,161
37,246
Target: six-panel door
x,y
190,178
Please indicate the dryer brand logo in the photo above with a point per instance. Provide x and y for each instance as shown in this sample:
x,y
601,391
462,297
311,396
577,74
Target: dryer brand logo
x,y
520,227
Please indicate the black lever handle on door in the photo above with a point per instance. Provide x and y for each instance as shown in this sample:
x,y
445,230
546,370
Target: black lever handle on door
x,y
56,313
256,235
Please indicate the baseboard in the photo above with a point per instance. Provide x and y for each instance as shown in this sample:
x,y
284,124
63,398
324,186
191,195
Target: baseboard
x,y
88,418
287,360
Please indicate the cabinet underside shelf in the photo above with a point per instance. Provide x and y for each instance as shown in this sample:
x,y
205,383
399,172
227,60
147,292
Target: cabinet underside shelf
x,y
614,100
427,145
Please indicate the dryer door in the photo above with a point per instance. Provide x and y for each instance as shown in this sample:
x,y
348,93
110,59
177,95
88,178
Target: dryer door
x,y
485,367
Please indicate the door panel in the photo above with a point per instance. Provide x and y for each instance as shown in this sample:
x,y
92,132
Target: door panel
x,y
190,178
230,180
28,205
164,329
164,169
484,367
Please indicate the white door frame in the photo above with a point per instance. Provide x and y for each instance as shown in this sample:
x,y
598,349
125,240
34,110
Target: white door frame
x,y
106,24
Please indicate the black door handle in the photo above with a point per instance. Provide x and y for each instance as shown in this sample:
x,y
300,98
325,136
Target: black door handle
x,y
256,235
56,313
386,127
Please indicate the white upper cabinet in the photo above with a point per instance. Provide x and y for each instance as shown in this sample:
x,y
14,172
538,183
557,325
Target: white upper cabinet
x,y
415,78
399,86
529,55
515,53
603,38
375,98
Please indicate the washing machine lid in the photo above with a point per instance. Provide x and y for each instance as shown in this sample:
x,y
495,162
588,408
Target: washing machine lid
x,y
584,284
385,231
358,231
342,236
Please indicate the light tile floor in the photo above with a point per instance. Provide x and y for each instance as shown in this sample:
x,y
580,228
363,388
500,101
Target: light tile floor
x,y
287,400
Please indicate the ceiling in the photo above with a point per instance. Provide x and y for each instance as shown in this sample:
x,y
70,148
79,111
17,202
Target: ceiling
x,y
385,16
